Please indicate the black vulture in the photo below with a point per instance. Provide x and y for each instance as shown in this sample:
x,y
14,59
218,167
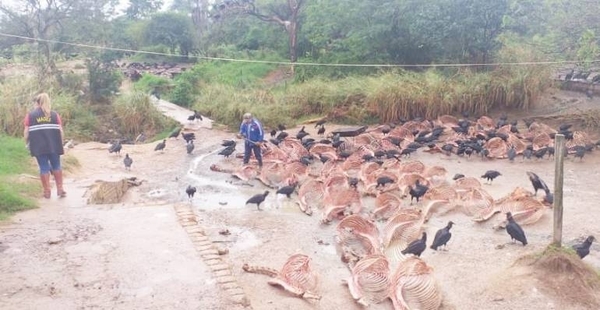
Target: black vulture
x,y
382,181
127,161
528,152
197,115
190,191
286,190
320,123
379,153
417,191
175,133
344,154
407,151
417,246
537,182
514,230
583,249
323,159
458,176
115,147
579,151
442,236
447,148
540,153
300,135
368,157
282,135
512,153
161,146
190,147
306,160
228,143
564,127
258,199
337,143
274,141
490,175
188,136
227,151
321,131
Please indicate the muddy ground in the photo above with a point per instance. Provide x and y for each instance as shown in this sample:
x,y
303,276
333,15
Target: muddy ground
x,y
135,255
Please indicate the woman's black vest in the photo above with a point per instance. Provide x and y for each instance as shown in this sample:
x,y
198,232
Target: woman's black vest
x,y
44,133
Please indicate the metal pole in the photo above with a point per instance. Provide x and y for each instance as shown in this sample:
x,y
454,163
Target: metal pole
x,y
559,157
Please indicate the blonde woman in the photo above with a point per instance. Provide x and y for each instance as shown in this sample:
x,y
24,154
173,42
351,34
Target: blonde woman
x,y
44,136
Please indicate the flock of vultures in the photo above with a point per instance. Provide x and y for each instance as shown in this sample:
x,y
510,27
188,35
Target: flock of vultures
x,y
330,173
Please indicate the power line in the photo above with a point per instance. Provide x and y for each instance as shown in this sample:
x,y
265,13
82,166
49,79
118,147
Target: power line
x,y
531,63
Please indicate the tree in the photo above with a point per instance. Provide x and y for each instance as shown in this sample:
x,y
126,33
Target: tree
x,y
104,80
171,29
197,10
286,15
40,20
139,9
56,20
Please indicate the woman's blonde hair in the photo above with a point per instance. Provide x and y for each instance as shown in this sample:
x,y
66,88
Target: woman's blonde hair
x,y
43,100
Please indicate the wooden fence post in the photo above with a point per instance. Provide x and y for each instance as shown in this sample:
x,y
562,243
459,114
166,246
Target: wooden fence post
x,y
559,157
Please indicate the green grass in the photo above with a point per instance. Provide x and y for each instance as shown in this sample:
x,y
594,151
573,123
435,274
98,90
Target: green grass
x,y
148,82
15,160
384,97
239,75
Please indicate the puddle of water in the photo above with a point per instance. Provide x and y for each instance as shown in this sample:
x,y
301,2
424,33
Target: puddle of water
x,y
157,193
200,180
244,239
214,201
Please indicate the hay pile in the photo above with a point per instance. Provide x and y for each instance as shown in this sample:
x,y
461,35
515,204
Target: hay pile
x,y
103,192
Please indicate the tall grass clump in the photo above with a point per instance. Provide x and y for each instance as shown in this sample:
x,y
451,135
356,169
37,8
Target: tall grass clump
x,y
136,113
149,82
227,104
17,100
386,97
78,118
14,160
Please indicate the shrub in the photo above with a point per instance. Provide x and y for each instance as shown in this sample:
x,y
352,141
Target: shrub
x,y
136,113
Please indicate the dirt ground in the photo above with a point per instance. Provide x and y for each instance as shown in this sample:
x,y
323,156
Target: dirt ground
x,y
135,255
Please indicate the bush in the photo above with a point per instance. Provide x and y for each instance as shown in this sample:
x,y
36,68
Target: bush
x,y
17,99
149,82
183,94
79,119
104,81
136,113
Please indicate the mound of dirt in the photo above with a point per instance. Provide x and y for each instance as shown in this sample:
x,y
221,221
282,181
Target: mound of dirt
x,y
560,275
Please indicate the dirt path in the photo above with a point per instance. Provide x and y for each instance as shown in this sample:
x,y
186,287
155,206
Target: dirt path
x,y
136,255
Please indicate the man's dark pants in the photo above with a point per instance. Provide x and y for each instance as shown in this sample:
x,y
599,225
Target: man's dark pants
x,y
248,147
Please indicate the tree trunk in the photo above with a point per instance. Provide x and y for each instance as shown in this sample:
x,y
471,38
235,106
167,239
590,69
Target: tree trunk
x,y
292,30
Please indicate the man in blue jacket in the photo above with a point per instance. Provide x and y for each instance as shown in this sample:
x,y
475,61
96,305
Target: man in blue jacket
x,y
252,132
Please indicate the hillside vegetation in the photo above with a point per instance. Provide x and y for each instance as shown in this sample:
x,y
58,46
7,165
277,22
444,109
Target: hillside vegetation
x,y
436,57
